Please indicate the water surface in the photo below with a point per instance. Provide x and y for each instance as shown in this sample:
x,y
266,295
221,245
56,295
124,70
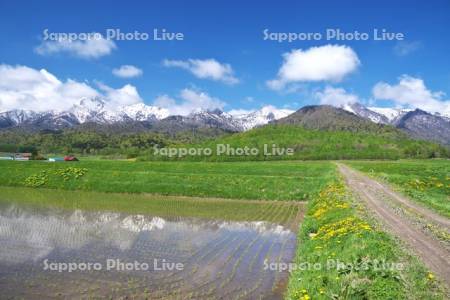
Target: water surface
x,y
215,258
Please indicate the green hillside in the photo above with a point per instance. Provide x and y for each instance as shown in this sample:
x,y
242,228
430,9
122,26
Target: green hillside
x,y
386,143
312,132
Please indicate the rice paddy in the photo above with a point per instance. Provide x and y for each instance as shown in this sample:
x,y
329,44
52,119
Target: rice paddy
x,y
221,247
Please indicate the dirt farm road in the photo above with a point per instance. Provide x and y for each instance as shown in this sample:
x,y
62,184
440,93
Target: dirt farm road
x,y
375,196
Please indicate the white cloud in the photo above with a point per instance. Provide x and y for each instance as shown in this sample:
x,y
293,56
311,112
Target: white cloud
x,y
127,71
411,92
404,48
325,63
127,95
205,69
22,87
335,96
89,48
189,101
238,112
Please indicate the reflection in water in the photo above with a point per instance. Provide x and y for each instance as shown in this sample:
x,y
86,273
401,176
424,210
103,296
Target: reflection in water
x,y
220,258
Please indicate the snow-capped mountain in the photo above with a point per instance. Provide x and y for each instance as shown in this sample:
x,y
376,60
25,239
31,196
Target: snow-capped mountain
x,y
216,118
426,126
142,112
96,110
416,123
18,116
260,117
391,114
366,113
93,110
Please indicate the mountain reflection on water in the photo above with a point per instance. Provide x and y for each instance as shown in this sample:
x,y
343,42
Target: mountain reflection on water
x,y
212,252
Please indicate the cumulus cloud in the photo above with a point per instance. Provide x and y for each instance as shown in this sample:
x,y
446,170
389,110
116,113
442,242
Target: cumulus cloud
x,y
127,95
335,96
205,69
411,92
189,101
325,63
88,48
26,88
127,71
404,48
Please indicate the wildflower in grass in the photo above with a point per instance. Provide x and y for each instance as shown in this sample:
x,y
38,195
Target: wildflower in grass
x,y
302,295
37,180
343,227
430,276
312,235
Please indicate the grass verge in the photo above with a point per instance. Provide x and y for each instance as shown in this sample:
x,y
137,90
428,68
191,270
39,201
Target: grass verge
x,y
342,254
424,181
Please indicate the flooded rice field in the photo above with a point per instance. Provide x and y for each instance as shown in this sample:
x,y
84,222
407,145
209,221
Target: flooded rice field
x,y
53,252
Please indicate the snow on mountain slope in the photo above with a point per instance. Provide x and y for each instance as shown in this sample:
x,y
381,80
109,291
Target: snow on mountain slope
x,y
261,117
216,118
390,113
142,112
18,116
362,111
96,110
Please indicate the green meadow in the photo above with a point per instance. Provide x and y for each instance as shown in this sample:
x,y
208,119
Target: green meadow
x,y
426,181
244,180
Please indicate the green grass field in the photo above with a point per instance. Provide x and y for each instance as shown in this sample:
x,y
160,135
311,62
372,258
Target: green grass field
x,y
426,181
243,180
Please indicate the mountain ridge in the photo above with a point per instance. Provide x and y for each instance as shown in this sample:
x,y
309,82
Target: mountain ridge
x,y
418,124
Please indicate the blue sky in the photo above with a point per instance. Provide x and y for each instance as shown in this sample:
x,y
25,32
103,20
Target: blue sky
x,y
231,33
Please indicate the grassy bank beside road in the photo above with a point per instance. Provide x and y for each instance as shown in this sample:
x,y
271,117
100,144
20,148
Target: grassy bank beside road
x,y
425,181
244,180
342,254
